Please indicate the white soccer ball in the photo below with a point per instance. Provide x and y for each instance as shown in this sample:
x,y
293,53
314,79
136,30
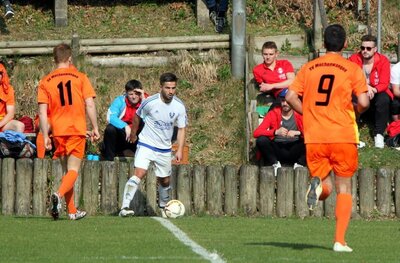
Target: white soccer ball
x,y
174,209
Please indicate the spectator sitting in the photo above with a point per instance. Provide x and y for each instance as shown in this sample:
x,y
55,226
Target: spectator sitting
x,y
217,13
273,75
7,104
280,136
376,68
8,11
395,84
119,116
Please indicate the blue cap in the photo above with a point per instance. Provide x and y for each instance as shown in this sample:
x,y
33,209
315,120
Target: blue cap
x,y
282,94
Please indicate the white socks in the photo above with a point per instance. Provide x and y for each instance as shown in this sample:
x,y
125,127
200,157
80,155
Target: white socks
x,y
130,189
163,196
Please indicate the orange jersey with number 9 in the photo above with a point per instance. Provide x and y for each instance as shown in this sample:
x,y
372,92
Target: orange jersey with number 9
x,y
65,91
327,85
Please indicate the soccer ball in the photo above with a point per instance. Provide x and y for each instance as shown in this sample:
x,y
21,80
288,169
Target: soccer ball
x,y
174,209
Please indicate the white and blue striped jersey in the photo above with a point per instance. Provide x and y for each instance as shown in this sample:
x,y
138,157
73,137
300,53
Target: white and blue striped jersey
x,y
159,121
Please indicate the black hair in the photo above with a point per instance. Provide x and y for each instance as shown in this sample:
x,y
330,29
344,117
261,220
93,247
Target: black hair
x,y
334,38
369,38
168,77
132,85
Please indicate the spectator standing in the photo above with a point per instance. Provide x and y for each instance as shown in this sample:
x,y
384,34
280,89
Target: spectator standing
x,y
217,13
376,69
326,85
119,116
160,113
66,93
7,104
280,137
8,10
273,75
395,84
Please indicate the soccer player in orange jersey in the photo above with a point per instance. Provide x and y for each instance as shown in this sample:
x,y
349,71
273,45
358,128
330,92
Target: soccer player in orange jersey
x,y
326,86
67,94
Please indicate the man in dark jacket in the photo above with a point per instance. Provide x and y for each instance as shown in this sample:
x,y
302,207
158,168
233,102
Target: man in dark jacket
x,y
280,137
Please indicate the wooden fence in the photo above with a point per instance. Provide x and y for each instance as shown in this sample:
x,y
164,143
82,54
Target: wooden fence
x,y
248,190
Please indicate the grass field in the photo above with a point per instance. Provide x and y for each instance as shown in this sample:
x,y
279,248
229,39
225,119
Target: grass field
x,y
234,239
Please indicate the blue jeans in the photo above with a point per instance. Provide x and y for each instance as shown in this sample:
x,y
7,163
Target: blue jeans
x,y
222,7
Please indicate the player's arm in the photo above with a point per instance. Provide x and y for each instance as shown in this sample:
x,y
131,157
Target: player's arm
x,y
294,101
135,128
362,103
284,84
181,141
44,125
92,115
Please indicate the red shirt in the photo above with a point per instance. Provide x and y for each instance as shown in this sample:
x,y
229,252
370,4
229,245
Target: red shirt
x,y
130,111
264,74
379,76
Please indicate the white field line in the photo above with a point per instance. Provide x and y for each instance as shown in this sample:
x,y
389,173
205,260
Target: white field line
x,y
179,234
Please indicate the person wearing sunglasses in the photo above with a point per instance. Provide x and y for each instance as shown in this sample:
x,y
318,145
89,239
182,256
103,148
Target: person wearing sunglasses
x,y
119,117
376,68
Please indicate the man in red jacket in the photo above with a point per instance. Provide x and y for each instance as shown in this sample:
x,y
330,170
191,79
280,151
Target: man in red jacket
x,y
376,68
280,136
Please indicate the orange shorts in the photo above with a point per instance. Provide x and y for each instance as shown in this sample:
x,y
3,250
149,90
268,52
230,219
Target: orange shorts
x,y
342,158
70,145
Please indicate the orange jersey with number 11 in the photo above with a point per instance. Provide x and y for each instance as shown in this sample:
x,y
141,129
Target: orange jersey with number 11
x,y
65,91
327,85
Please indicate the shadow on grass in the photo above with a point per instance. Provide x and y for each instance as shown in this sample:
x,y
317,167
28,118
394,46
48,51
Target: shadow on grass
x,y
294,246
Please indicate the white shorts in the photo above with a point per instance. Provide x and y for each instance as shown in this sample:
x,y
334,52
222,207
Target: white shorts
x,y
162,160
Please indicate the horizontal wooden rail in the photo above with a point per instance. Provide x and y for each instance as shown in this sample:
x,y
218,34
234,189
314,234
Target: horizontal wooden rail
x,y
122,45
218,190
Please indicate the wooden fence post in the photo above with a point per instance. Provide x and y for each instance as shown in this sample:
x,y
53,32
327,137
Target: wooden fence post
x,y
151,192
330,202
397,192
384,190
231,189
24,173
123,175
173,182
214,186
40,170
75,46
367,191
354,187
267,190
301,176
202,14
91,180
248,179
8,186
57,172
109,186
199,190
61,13
284,197
184,187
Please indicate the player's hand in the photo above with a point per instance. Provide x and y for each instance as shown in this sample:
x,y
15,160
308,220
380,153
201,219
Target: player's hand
x,y
127,133
47,143
281,131
95,135
178,156
133,138
292,134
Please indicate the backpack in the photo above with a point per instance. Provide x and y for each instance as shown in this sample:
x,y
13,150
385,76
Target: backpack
x,y
16,149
